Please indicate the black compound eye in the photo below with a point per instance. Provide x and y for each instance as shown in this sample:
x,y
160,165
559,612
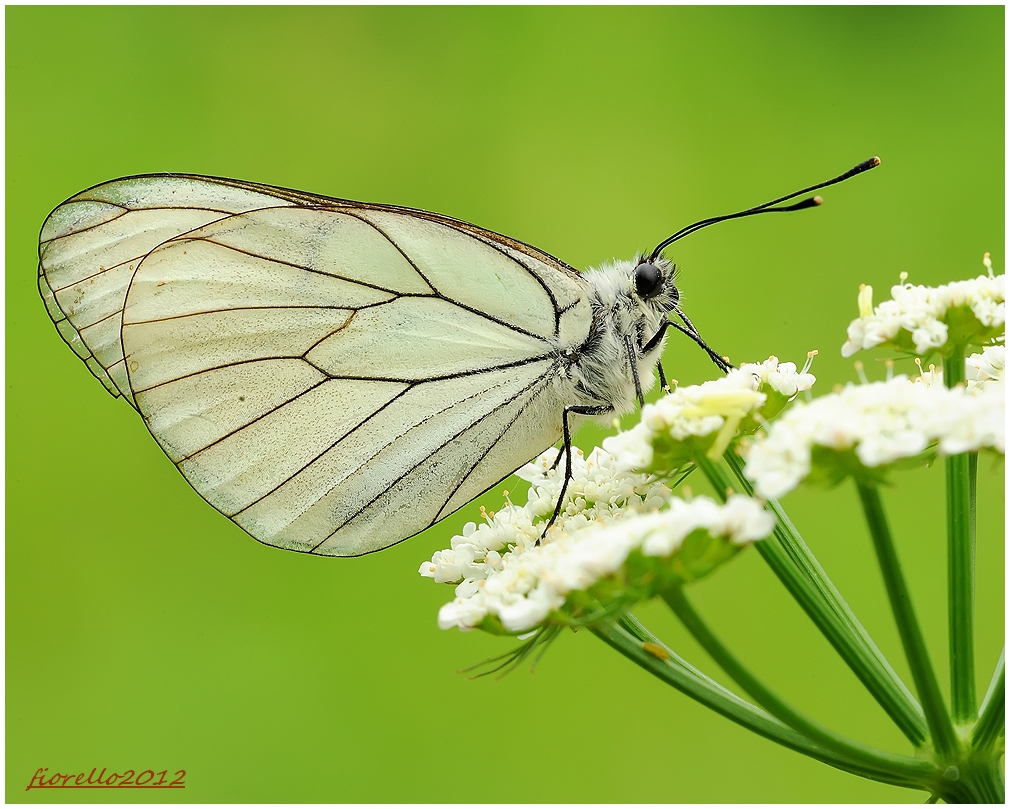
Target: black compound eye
x,y
648,280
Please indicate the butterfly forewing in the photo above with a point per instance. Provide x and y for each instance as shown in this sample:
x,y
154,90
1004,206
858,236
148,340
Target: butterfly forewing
x,y
333,376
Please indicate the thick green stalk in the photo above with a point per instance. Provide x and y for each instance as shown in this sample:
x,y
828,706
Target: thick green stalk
x,y
944,739
793,562
960,566
665,664
872,759
992,716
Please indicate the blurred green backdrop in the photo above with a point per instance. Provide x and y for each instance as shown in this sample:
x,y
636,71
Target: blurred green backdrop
x,y
144,630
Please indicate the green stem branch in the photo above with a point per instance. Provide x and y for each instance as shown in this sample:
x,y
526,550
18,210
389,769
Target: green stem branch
x,y
992,716
792,561
944,738
669,667
868,757
960,565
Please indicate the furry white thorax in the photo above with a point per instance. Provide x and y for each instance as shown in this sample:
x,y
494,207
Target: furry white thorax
x,y
602,370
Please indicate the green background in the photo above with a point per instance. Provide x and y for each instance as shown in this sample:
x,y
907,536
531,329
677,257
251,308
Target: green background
x,y
144,630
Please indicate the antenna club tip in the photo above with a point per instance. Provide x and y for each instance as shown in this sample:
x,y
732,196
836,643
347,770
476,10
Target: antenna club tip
x,y
866,165
818,200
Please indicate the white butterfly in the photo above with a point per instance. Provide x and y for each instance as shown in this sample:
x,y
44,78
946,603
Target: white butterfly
x,y
336,376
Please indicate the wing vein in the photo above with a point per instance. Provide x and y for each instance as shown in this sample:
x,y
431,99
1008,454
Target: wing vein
x,y
235,309
48,242
529,272
453,301
321,454
458,375
409,260
429,455
102,270
274,409
357,282
215,368
308,350
526,401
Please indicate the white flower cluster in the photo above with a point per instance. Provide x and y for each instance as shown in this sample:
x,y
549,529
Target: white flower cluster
x,y
921,311
980,370
717,406
986,369
597,492
501,570
882,422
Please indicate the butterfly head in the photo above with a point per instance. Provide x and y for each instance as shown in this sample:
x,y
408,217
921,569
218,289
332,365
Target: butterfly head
x,y
653,284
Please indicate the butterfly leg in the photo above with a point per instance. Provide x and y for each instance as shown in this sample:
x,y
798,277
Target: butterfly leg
x,y
723,365
634,370
578,410
662,377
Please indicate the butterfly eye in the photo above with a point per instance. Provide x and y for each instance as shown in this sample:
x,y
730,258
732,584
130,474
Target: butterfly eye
x,y
648,280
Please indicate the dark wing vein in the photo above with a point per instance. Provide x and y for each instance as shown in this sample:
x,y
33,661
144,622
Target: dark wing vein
x,y
251,422
531,395
427,457
453,301
358,282
441,378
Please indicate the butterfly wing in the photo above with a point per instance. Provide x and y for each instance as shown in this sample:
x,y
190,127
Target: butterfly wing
x,y
332,376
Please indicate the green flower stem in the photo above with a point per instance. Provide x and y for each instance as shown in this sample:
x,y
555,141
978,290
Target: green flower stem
x,y
872,759
942,731
960,565
669,667
636,628
792,561
992,716
875,671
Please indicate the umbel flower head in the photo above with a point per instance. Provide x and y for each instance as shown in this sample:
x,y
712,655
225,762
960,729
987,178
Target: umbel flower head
x,y
621,537
862,429
925,319
700,420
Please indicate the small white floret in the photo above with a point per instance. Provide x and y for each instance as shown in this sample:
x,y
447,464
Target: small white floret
x,y
986,367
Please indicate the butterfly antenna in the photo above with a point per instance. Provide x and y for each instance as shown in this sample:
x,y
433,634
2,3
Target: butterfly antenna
x,y
768,207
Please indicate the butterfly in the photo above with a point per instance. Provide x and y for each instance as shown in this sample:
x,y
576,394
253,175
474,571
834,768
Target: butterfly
x,y
336,376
